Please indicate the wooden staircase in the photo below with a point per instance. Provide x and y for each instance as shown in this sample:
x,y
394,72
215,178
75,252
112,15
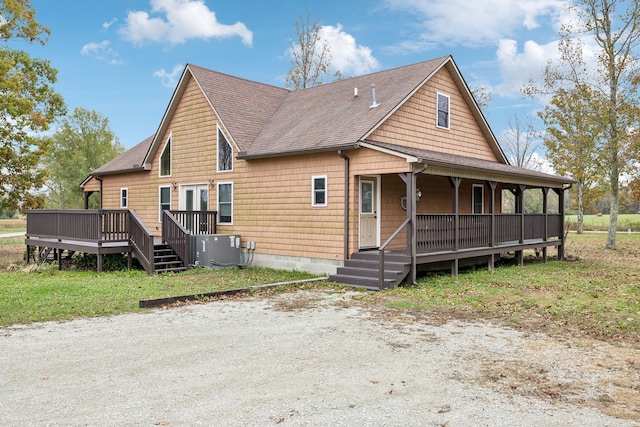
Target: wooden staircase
x,y
363,270
165,259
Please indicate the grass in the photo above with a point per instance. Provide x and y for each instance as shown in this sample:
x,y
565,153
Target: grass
x,y
50,294
12,226
601,223
595,293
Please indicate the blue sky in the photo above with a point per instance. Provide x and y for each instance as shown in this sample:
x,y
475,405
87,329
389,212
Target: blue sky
x,y
122,58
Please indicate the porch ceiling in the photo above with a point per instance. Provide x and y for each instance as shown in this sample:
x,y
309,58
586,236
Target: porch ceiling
x,y
445,164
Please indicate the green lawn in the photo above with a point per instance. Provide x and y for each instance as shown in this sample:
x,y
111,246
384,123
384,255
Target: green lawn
x,y
601,223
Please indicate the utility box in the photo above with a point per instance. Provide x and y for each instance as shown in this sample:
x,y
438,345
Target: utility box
x,y
215,250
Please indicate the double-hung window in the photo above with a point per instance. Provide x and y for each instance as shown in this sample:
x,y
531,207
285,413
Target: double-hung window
x,y
443,111
124,198
478,199
165,200
319,190
225,203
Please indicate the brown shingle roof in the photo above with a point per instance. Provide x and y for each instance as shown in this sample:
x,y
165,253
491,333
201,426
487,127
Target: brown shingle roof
x,y
470,163
244,106
329,116
129,161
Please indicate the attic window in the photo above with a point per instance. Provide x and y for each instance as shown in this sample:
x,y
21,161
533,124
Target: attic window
x,y
225,153
443,111
165,159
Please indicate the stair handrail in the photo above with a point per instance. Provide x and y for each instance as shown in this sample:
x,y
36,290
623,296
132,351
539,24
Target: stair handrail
x,y
141,240
383,247
176,236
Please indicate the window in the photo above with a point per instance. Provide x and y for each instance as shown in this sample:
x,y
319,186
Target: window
x,y
165,159
225,203
165,200
478,199
443,111
124,198
225,153
319,190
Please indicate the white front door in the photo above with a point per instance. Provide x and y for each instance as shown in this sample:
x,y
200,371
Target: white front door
x,y
369,223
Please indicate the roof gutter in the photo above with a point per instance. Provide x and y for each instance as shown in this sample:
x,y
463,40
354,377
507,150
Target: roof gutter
x,y
245,156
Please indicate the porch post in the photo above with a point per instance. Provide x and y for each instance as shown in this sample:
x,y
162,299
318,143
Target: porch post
x,y
520,201
492,226
545,211
561,231
455,183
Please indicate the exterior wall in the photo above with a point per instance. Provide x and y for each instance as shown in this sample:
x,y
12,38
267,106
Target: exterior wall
x,y
414,123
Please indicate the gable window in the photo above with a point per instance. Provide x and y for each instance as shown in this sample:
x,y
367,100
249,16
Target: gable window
x,y
165,200
443,111
165,159
124,198
225,153
319,190
478,199
225,203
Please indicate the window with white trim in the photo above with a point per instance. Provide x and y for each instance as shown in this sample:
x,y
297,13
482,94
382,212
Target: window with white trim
x,y
225,203
443,111
225,153
165,159
478,199
124,198
319,190
165,200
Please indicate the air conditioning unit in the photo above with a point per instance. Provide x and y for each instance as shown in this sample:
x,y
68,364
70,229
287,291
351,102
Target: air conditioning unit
x,y
215,250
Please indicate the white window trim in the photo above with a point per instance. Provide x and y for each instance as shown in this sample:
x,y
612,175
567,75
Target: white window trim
x,y
218,184
160,200
448,127
473,198
169,139
126,198
218,132
313,191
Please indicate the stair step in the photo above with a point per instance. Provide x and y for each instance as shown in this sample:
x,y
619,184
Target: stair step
x,y
361,282
388,256
165,260
367,272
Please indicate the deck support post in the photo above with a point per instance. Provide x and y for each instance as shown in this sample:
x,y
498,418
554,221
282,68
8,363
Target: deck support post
x,y
492,211
455,183
520,257
492,263
544,255
454,268
560,193
130,260
520,204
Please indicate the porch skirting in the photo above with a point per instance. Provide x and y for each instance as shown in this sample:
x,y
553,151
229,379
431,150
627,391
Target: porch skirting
x,y
310,265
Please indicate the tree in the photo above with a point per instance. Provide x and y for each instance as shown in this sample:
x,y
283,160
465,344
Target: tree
x,y
310,56
28,105
615,28
573,139
520,143
82,143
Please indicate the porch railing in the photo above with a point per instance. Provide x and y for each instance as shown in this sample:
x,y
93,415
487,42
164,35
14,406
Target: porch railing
x,y
438,232
80,225
176,235
142,242
197,222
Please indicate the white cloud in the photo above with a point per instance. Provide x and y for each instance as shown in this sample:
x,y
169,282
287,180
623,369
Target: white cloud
x,y
169,79
107,25
474,23
179,21
347,56
102,52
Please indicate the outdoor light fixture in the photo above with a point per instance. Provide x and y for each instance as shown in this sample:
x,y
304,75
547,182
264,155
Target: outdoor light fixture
x,y
403,199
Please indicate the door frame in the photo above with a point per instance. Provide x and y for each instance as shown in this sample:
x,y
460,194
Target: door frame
x,y
182,199
378,192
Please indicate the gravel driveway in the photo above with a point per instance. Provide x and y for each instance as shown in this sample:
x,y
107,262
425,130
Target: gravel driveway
x,y
307,358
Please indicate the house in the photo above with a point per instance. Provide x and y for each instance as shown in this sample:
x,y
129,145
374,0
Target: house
x,y
366,179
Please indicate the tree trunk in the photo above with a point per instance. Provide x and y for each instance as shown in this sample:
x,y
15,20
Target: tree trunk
x,y
580,188
613,222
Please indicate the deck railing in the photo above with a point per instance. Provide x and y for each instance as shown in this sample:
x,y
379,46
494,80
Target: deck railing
x,y
437,232
197,222
81,225
176,235
142,242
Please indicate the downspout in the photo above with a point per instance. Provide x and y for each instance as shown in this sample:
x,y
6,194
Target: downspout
x,y
346,204
100,181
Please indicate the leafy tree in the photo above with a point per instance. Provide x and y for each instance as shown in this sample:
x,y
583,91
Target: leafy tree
x,y
573,139
615,28
82,143
310,56
520,143
28,105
